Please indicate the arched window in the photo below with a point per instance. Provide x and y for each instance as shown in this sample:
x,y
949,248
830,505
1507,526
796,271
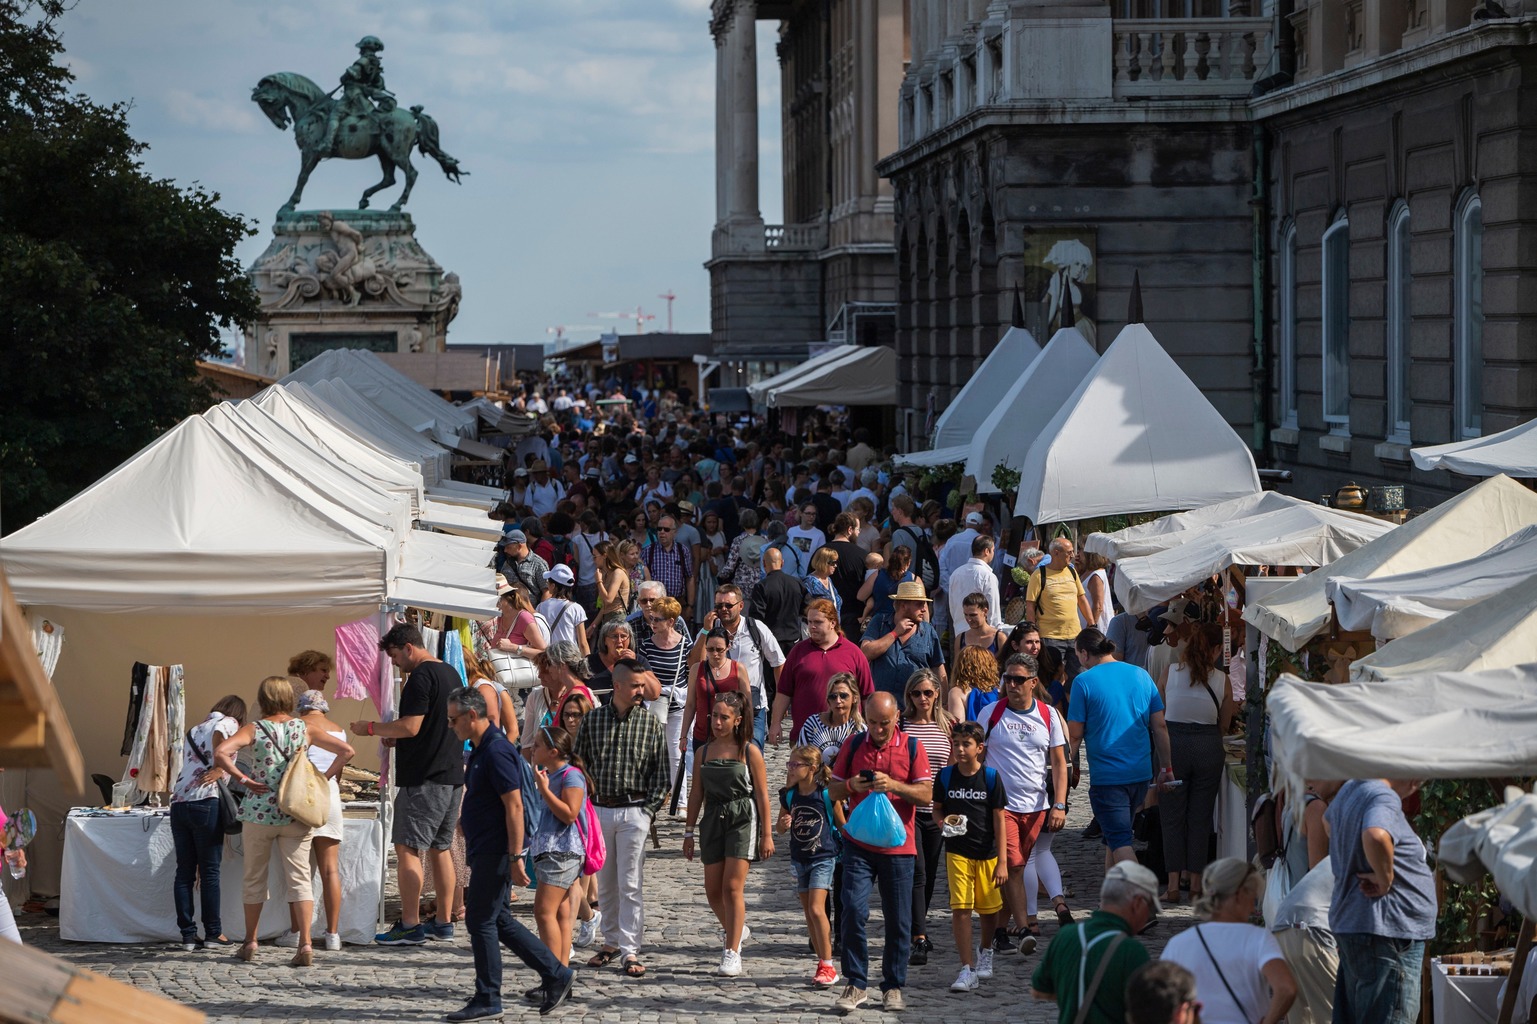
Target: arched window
x,y
1286,361
1400,277
1336,325
1468,341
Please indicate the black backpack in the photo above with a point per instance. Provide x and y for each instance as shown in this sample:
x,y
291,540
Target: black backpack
x,y
925,567
562,553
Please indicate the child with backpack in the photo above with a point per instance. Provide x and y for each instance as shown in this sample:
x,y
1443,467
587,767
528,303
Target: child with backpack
x,y
559,841
814,823
969,800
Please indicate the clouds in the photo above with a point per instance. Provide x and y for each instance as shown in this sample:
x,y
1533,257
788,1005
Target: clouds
x,y
587,126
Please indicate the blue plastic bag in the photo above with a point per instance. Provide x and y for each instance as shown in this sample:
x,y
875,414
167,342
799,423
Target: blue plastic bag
x,y
875,822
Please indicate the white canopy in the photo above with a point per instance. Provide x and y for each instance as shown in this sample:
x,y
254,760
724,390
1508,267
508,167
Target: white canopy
x,y
398,394
1501,841
1512,452
863,376
1136,436
1300,534
989,383
1442,725
338,402
1497,632
1395,606
1027,407
1173,530
759,392
1458,528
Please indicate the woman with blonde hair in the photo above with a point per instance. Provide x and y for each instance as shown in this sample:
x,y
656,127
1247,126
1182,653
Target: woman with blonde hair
x,y
616,587
312,668
925,718
818,581
1239,969
973,684
509,642
276,738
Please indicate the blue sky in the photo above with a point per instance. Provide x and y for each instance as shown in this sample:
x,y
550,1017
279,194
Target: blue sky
x,y
587,127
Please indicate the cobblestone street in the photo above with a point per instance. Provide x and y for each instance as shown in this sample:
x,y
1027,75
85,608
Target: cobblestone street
x,y
373,983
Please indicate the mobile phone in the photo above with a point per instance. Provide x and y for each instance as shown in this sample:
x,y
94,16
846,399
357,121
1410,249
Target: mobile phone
x,y
868,775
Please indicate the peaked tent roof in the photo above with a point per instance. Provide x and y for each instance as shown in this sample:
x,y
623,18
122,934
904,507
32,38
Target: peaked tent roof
x,y
862,376
1007,362
398,394
1512,452
1031,400
330,437
1171,531
1497,632
1302,534
759,392
1136,436
338,402
1458,528
1395,606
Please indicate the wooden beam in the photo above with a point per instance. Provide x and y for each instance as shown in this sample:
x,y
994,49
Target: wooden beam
x,y
30,697
1517,969
40,987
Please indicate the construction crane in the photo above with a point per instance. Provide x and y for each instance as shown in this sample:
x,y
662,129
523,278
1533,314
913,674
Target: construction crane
x,y
640,316
559,330
669,298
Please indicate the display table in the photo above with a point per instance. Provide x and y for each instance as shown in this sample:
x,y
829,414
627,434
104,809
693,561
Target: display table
x,y
119,871
1233,813
1463,999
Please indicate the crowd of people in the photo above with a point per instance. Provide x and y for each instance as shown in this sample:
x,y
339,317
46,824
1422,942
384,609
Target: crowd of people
x,y
677,595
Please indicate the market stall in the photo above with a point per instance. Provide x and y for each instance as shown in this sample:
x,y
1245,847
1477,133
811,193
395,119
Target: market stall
x,y
860,376
1498,632
1512,452
392,390
1173,530
981,395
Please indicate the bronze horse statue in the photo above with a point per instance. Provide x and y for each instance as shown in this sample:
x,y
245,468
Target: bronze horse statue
x,y
389,134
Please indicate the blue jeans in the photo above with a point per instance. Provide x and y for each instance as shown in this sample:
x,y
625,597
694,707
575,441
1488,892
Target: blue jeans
x,y
760,726
1115,806
199,852
893,872
1378,980
491,925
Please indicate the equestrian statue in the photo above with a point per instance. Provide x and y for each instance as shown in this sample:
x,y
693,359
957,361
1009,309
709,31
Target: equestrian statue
x,y
363,121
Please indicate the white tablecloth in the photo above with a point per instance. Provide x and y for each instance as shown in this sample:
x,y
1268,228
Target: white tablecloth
x,y
1232,817
1463,999
119,871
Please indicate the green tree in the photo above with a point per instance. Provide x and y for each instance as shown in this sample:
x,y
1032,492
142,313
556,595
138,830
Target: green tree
x,y
112,283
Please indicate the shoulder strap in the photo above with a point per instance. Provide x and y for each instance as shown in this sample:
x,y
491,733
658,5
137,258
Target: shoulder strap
x,y
827,805
559,618
855,742
1214,698
1092,991
999,706
1237,1003
944,777
1045,717
193,747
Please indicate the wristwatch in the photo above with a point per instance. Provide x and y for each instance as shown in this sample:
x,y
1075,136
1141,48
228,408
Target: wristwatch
x,y
1059,807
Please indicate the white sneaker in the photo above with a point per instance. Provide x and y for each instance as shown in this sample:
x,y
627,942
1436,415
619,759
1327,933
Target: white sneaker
x,y
288,940
730,964
333,941
587,930
984,964
966,981
746,934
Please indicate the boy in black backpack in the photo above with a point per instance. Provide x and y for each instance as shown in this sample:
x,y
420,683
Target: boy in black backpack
x,y
969,800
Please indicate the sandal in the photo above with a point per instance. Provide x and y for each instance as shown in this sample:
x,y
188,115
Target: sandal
x,y
603,957
304,957
633,968
246,952
1064,915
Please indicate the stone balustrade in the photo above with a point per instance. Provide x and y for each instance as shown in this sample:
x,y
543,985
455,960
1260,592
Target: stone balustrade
x,y
742,239
1175,57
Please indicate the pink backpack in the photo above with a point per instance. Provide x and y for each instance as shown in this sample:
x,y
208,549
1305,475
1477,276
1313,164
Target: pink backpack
x,y
594,850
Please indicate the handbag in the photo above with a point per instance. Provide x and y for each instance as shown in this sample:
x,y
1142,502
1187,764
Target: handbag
x,y
229,805
303,794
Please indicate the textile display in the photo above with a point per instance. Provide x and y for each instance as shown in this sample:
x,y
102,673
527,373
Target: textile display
x,y
357,661
48,640
119,870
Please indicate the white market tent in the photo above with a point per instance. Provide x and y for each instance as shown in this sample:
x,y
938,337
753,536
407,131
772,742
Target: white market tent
x,y
863,376
1458,528
1173,530
339,403
1301,534
759,392
1137,435
398,394
957,425
1501,841
1498,632
1028,405
1512,452
1395,606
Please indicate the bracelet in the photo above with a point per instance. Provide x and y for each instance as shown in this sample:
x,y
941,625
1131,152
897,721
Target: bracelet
x,y
370,728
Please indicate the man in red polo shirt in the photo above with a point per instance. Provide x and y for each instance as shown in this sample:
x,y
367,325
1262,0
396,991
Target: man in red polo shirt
x,y
885,763
802,688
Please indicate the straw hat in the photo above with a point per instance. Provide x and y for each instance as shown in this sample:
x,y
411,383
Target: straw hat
x,y
912,590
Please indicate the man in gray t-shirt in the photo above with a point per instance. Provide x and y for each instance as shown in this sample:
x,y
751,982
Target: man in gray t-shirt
x,y
1384,903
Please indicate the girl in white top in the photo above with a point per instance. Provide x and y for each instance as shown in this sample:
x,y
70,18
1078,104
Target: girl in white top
x,y
565,616
1096,586
1239,969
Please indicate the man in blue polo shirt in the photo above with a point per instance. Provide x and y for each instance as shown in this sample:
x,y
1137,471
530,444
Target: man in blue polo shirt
x,y
492,820
900,642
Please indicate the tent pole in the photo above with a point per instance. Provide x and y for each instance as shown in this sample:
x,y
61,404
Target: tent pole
x,y
386,774
1517,969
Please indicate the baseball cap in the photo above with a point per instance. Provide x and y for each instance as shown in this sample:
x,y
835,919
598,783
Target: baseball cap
x,y
1142,878
520,471
514,537
561,574
974,519
630,459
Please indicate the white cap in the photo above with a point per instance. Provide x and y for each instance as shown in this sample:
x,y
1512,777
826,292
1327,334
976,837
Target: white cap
x,y
974,519
561,574
1135,874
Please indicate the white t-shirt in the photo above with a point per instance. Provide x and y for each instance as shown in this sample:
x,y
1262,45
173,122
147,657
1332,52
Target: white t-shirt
x,y
1018,747
806,541
1242,950
586,562
570,622
1184,702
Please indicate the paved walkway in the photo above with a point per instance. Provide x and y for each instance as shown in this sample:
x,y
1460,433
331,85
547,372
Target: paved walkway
x,y
365,984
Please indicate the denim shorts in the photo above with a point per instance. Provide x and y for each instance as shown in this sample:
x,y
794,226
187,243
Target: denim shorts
x,y
814,874
559,870
1114,807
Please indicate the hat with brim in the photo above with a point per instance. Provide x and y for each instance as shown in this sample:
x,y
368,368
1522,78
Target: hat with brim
x,y
539,466
502,586
1180,613
1138,876
911,590
685,508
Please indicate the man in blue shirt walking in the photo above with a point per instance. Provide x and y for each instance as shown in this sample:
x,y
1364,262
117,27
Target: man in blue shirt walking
x,y
900,642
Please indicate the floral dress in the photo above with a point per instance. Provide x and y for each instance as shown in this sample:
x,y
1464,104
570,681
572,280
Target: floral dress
x,y
269,765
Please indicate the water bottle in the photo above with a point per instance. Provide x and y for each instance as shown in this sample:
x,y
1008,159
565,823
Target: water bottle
x,y
13,862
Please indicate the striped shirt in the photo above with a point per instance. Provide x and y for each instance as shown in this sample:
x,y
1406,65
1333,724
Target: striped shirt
x,y
671,669
936,743
626,757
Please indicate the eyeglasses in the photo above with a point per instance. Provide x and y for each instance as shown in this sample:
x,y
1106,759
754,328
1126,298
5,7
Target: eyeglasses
x,y
1019,680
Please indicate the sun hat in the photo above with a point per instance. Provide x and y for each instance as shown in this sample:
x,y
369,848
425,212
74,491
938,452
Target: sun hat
x,y
911,590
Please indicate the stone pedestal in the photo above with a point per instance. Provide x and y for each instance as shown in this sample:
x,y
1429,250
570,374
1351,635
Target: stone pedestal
x,y
359,281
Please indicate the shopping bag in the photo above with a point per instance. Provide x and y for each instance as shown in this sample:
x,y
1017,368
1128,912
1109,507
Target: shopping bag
x,y
875,822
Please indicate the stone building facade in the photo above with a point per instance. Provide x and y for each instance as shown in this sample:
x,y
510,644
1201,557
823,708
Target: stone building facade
x,y
829,272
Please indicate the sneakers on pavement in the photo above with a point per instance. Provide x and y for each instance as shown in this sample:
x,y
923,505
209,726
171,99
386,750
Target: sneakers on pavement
x,y
826,975
1027,944
288,940
746,934
333,941
553,997
438,931
851,999
416,935
475,1011
1001,942
587,930
918,956
892,1001
966,981
730,964
191,946
984,964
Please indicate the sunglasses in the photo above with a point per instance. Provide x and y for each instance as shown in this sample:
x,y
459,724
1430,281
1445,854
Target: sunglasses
x,y
1019,680
664,529
715,650
726,607
931,694
656,619
839,696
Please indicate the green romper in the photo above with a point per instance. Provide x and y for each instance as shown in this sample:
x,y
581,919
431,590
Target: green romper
x,y
728,826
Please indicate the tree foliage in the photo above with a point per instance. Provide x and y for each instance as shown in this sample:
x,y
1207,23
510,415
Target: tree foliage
x,y
112,283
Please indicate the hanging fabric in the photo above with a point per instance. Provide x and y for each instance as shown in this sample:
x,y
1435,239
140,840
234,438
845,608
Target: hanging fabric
x,y
48,639
136,687
357,660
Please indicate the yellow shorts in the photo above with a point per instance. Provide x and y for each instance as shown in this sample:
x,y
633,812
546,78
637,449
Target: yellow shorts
x,y
972,885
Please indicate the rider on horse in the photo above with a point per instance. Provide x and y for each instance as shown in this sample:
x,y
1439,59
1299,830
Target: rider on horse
x,y
363,90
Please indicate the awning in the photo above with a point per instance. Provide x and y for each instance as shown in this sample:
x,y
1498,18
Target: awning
x,y
468,446
1512,452
1170,531
440,573
989,383
934,456
1501,841
865,376
759,392
462,520
1497,632
1029,404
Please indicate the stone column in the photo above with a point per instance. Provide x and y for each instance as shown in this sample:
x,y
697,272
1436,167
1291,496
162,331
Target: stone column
x,y
742,67
722,126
